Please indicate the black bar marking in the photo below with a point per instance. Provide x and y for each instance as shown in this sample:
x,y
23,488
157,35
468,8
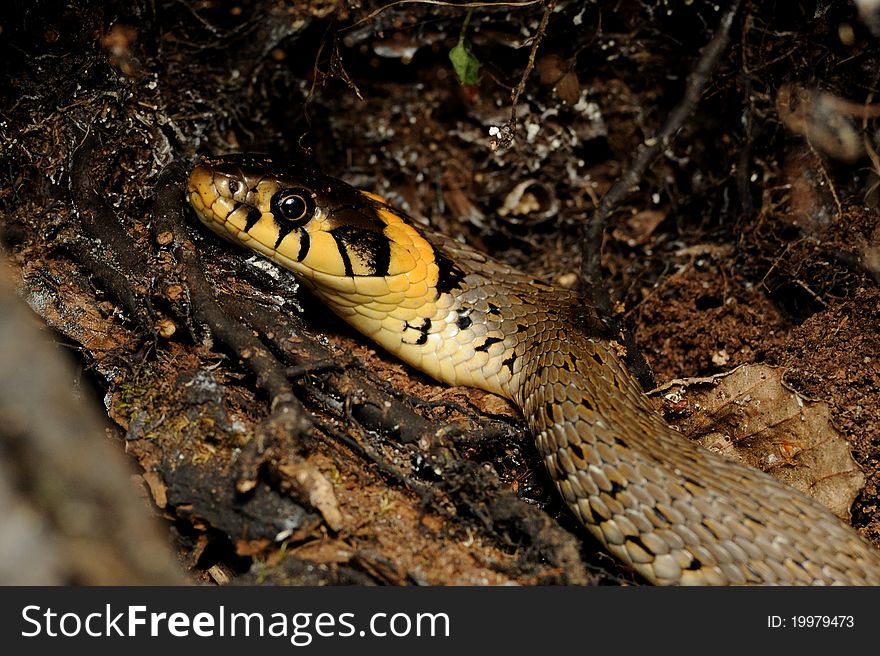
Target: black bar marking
x,y
253,216
423,330
343,253
370,246
381,256
464,321
305,243
489,341
449,276
509,362
283,230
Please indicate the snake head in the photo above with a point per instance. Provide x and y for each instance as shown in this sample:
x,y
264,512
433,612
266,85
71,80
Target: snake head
x,y
347,245
307,222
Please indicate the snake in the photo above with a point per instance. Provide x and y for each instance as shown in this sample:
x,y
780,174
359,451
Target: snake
x,y
670,510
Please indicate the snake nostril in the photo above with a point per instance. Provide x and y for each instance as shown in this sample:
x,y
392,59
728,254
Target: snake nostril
x,y
234,186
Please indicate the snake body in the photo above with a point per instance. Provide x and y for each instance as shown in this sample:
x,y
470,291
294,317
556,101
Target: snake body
x,y
671,510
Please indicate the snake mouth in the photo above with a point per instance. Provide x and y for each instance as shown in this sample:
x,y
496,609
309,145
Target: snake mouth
x,y
205,195
226,200
236,197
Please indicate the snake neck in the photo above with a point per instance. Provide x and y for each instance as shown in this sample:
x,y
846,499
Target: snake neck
x,y
466,330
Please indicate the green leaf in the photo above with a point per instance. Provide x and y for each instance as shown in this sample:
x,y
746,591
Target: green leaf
x,y
465,64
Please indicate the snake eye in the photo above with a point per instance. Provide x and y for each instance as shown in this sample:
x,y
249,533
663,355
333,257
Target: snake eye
x,y
293,205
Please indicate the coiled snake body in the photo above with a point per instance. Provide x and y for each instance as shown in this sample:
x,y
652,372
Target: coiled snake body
x,y
671,510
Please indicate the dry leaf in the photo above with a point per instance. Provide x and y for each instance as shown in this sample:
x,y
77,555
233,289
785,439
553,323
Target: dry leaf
x,y
557,72
551,68
638,228
530,201
568,88
750,416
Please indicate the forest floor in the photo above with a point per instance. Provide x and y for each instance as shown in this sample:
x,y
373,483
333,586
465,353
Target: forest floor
x,y
752,238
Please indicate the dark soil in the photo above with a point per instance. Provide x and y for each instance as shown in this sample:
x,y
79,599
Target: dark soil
x,y
753,237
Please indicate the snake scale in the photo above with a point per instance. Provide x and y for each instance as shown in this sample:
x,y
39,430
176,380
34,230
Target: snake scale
x,y
669,509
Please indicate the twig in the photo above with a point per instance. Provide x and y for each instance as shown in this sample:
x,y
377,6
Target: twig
x,y
591,269
374,406
591,274
270,374
389,472
462,5
120,270
538,38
